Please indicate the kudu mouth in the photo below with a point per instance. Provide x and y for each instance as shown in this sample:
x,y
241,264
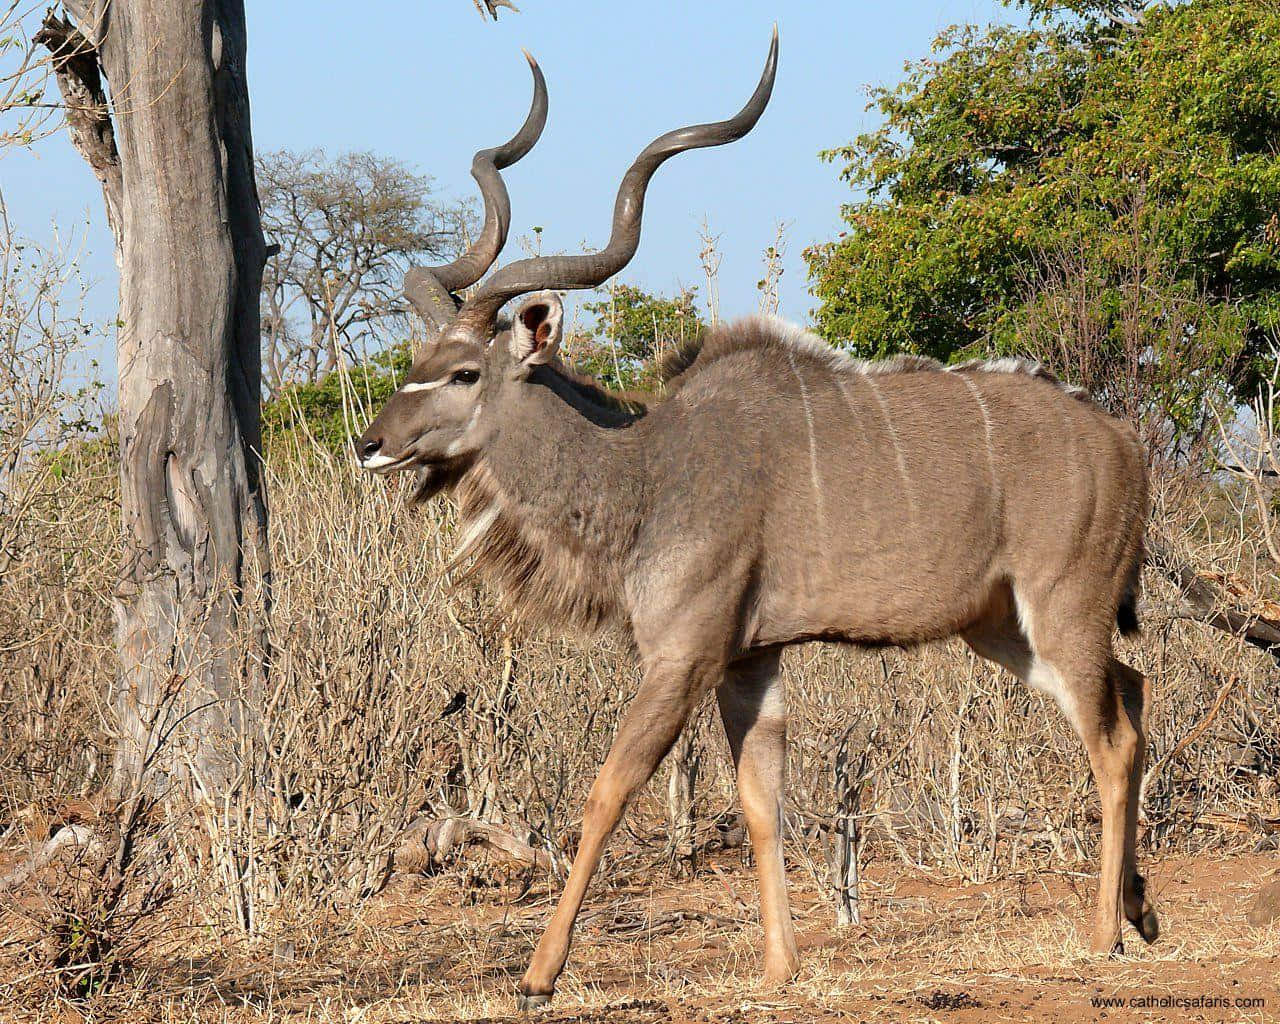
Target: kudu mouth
x,y
385,464
433,475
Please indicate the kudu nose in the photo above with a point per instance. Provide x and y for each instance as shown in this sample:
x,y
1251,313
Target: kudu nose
x,y
368,448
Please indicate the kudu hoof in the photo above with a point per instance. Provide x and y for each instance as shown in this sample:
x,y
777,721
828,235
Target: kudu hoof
x,y
1147,925
526,1003
1105,946
1145,920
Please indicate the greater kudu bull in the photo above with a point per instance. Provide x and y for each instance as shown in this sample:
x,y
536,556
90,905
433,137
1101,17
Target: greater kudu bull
x,y
775,492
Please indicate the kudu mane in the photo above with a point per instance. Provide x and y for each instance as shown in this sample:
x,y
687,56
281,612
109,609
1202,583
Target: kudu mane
x,y
545,576
684,363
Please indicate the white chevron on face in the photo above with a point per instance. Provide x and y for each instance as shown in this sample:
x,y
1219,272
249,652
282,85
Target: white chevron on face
x,y
412,389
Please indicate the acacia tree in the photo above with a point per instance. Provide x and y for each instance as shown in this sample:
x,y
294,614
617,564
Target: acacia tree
x,y
345,230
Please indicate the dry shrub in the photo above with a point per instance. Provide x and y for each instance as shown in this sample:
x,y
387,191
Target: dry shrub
x,y
90,903
391,696
57,534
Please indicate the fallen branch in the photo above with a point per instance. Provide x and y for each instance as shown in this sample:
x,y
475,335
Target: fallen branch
x,y
1251,824
1222,602
80,839
620,922
428,842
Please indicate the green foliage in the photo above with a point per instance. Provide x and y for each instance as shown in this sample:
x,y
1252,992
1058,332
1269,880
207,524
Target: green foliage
x,y
632,328
337,407
1072,134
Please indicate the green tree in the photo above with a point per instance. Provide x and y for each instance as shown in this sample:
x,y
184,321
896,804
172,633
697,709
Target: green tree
x,y
1086,127
632,328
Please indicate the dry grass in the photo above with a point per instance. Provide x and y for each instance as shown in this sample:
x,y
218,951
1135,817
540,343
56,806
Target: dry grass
x,y
975,781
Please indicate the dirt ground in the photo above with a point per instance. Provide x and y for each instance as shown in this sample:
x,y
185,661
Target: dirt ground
x,y
929,950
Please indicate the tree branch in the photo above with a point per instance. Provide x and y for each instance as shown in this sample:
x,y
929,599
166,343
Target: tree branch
x,y
428,842
75,66
1217,601
491,7
69,838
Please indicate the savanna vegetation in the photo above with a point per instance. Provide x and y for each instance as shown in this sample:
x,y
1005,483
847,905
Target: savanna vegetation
x,y
1093,186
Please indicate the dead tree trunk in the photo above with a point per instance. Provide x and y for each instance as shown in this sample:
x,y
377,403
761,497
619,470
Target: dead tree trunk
x,y
172,149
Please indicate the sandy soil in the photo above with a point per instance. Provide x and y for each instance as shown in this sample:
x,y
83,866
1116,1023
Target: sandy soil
x,y
929,950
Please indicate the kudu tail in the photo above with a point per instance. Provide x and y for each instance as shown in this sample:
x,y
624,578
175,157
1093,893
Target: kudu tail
x,y
1127,613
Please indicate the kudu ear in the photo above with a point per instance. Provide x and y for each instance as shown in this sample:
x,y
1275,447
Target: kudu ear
x,y
535,333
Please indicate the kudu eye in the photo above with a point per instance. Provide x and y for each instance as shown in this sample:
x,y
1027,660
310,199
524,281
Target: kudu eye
x,y
465,377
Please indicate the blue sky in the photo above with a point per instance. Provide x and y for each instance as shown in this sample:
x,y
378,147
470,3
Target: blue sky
x,y
430,82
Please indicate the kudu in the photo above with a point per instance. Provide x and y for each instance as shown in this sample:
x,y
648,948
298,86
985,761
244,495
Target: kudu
x,y
776,491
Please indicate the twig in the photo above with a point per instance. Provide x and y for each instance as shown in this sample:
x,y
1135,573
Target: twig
x,y
1199,729
491,7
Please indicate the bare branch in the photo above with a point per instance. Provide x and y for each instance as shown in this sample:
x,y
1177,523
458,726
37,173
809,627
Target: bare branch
x,y
428,842
75,65
70,838
1220,602
490,8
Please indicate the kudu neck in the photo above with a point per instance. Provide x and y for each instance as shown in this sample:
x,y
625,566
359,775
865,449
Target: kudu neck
x,y
551,510
569,461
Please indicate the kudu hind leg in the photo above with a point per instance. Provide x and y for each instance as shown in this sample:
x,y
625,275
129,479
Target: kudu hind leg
x,y
753,709
1132,694
1102,706
1092,698
647,731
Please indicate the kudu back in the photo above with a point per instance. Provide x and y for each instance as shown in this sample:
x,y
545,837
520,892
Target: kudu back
x,y
773,492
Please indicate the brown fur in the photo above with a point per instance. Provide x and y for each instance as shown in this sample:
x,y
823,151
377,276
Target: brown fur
x,y
540,578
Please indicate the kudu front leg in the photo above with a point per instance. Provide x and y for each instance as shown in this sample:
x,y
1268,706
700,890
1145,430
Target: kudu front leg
x,y
647,731
753,709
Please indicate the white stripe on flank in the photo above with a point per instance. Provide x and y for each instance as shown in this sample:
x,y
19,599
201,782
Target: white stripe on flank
x,y
411,389
813,442
986,424
893,437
